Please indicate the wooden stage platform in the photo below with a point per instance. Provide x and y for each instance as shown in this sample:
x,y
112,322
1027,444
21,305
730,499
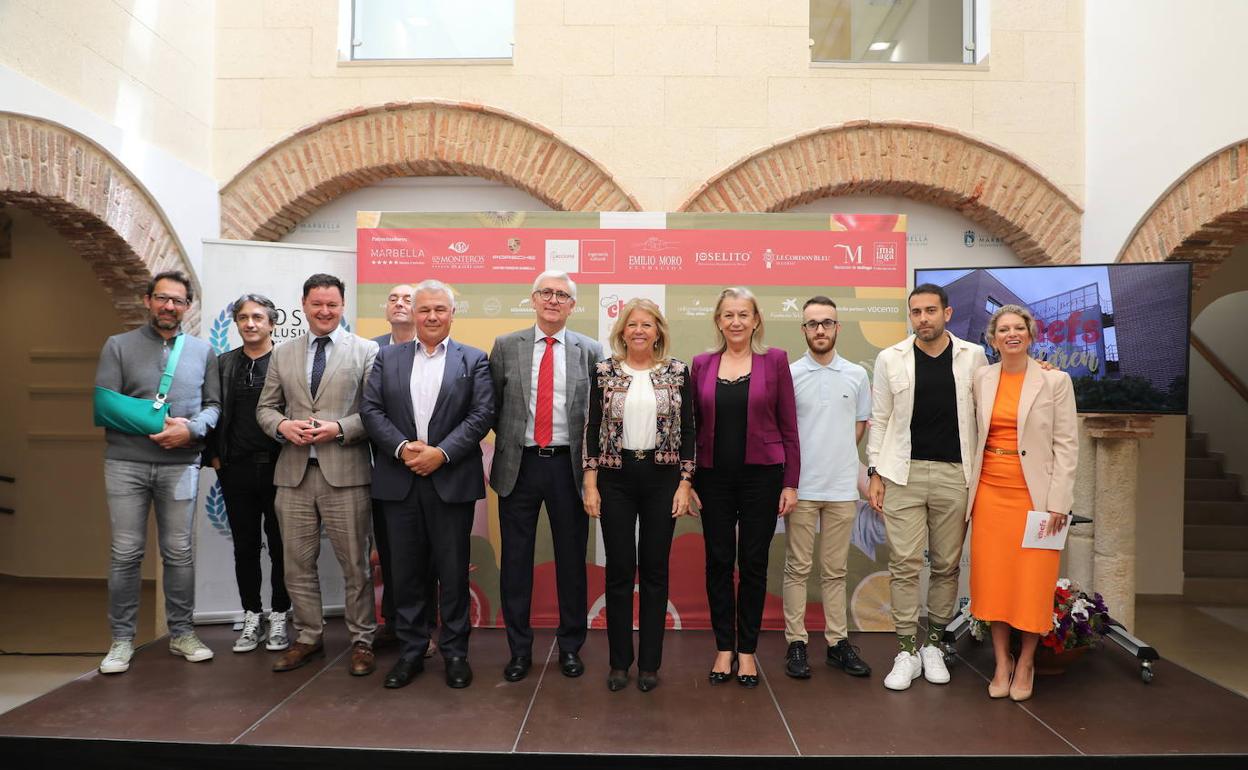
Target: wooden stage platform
x,y
166,712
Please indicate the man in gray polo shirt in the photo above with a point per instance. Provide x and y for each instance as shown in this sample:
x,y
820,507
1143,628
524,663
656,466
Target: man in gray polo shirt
x,y
833,404
161,469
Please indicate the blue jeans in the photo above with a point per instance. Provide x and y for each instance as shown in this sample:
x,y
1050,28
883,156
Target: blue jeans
x,y
133,488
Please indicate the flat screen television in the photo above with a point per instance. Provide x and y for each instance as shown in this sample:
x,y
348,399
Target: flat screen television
x,y
1121,331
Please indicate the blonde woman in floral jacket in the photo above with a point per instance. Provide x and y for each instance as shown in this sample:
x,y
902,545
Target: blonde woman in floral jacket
x,y
638,457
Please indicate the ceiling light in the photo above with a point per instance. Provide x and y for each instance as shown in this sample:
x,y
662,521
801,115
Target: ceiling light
x,y
881,46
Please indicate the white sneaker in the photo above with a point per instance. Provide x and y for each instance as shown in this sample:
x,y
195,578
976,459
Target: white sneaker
x,y
189,647
253,633
934,669
118,658
277,632
906,668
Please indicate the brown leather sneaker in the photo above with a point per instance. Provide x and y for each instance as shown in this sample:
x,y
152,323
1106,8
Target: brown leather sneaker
x,y
362,661
298,655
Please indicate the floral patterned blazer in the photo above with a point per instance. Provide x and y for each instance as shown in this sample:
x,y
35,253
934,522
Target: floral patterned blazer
x,y
675,434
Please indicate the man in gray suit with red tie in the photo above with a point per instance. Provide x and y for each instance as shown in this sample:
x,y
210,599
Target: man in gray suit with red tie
x,y
541,392
427,405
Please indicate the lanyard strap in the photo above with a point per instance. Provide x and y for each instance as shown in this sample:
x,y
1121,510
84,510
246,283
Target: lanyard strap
x,y
166,379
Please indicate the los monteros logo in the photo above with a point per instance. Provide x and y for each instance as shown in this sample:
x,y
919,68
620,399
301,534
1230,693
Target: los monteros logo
x,y
459,247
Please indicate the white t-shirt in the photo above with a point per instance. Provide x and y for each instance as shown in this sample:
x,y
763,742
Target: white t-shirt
x,y
831,400
640,410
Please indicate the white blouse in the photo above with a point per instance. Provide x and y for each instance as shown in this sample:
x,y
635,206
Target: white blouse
x,y
640,410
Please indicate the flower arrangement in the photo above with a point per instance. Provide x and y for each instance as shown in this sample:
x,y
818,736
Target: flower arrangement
x,y
1079,620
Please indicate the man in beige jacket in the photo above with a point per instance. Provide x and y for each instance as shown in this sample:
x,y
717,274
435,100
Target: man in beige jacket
x,y
921,439
311,401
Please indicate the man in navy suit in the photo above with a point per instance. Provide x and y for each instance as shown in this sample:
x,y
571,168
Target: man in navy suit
x,y
427,405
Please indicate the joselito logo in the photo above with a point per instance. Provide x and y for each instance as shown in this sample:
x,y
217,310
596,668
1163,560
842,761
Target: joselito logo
x,y
459,247
723,257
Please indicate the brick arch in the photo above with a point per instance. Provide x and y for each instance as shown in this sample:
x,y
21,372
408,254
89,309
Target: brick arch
x,y
927,163
354,149
90,198
1201,217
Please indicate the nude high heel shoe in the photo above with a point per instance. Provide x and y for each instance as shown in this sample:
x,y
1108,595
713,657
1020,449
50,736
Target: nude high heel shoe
x,y
996,693
1018,693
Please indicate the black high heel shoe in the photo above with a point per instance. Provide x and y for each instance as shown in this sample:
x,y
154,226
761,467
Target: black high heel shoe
x,y
720,677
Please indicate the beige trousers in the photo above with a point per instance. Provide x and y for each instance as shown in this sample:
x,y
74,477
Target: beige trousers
x,y
345,514
928,512
836,523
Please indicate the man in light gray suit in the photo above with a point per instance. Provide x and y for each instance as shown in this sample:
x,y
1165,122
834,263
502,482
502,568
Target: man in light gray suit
x,y
541,392
311,401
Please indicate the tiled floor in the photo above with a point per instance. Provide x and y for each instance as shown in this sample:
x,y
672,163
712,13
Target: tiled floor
x,y
1101,708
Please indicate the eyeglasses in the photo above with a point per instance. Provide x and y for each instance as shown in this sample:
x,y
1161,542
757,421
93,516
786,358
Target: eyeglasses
x,y
160,299
546,295
251,370
826,324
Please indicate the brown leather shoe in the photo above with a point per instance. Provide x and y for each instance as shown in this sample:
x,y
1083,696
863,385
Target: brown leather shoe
x,y
362,661
298,655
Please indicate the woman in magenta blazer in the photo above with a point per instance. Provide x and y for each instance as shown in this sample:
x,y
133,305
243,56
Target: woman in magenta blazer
x,y
748,466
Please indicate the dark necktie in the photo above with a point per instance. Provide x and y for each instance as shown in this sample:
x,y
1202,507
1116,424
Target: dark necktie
x,y
318,363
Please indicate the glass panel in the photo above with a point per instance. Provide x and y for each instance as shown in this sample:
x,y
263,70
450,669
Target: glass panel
x,y
916,31
432,29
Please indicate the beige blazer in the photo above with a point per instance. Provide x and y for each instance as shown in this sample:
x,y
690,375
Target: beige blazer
x,y
1048,440
286,395
892,405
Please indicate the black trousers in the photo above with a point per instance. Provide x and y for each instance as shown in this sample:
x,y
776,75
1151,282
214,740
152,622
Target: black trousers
x,y
637,502
739,509
249,494
429,538
546,480
381,537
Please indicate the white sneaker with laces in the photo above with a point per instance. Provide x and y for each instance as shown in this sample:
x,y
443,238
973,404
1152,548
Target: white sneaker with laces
x,y
253,632
277,632
118,658
906,668
190,647
934,669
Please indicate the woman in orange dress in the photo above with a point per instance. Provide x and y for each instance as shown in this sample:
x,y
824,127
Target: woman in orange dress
x,y
1028,450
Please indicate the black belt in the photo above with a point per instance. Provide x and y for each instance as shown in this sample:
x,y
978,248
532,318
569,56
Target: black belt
x,y
547,451
637,454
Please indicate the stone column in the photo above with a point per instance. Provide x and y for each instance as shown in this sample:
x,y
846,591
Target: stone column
x,y
1116,467
1078,557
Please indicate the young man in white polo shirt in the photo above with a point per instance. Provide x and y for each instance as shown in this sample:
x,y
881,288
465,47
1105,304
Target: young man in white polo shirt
x,y
833,404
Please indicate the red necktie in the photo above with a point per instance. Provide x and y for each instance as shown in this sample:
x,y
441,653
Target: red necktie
x,y
543,421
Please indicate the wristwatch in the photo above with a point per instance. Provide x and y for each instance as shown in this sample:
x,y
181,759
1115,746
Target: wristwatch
x,y
871,471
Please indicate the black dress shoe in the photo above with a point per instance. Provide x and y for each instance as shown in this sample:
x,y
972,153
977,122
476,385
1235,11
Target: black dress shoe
x,y
845,656
570,664
617,680
795,663
647,680
517,668
458,673
403,673
747,680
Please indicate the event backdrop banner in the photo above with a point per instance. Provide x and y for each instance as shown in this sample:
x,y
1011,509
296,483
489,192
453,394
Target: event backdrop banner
x,y
277,271
680,261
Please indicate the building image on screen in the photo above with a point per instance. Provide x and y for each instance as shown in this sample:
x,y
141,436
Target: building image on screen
x,y
1120,331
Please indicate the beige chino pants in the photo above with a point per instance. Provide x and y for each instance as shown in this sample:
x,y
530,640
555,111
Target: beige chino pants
x,y
836,523
345,513
928,511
